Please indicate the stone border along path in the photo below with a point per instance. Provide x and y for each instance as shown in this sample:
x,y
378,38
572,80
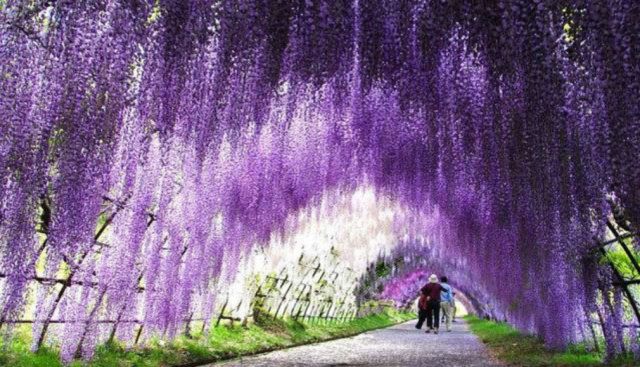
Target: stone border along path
x,y
399,345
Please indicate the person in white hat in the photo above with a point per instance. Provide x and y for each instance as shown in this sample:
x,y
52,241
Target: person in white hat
x,y
432,292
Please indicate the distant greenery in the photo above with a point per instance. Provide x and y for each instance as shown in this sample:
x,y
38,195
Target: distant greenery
x,y
383,269
223,342
511,346
619,258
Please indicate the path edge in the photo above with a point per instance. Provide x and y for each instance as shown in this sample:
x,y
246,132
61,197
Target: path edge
x,y
274,349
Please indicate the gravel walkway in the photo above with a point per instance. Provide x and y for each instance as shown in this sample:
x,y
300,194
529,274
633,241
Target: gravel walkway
x,y
400,345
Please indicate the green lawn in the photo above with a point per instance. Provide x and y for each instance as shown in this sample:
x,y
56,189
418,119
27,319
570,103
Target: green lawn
x,y
222,343
513,347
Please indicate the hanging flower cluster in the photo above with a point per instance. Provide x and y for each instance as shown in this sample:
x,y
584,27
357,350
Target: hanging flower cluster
x,y
188,131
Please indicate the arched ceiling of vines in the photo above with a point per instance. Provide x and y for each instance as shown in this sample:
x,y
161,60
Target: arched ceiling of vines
x,y
216,120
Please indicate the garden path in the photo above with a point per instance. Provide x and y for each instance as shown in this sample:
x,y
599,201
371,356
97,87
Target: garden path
x,y
400,345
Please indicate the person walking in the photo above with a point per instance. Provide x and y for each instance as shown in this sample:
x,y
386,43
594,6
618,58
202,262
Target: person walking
x,y
432,291
422,310
446,302
453,305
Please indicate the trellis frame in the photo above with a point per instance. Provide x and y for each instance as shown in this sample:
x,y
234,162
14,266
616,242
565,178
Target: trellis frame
x,y
620,283
287,298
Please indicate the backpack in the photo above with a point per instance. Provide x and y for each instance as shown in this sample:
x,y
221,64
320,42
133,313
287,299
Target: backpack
x,y
448,290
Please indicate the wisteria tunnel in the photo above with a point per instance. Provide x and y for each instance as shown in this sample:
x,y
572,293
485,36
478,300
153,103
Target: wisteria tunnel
x,y
170,165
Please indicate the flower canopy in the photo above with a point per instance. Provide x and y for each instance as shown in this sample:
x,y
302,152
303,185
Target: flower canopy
x,y
503,125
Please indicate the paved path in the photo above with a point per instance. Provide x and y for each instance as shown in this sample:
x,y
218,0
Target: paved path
x,y
400,345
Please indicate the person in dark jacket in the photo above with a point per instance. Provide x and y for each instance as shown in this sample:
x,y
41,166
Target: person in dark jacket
x,y
432,291
422,310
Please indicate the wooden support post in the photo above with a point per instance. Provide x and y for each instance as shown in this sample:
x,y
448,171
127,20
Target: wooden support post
x,y
320,314
299,301
593,335
328,315
138,334
187,328
236,309
291,303
222,312
112,334
94,310
304,298
308,311
297,314
282,300
122,310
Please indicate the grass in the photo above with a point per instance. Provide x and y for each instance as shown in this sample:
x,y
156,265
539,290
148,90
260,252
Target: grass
x,y
222,342
511,346
622,262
